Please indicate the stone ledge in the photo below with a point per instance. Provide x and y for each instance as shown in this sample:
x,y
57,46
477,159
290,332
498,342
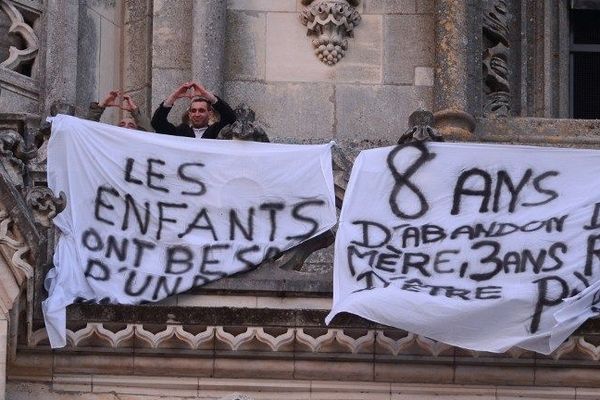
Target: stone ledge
x,y
376,343
243,316
543,131
21,84
155,314
73,386
349,354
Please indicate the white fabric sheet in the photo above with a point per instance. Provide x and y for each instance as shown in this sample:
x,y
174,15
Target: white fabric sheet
x,y
152,215
474,245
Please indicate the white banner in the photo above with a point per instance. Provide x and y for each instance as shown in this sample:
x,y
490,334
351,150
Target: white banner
x,y
151,215
474,245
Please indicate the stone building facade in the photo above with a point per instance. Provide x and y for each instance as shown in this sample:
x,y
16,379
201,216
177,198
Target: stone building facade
x,y
313,71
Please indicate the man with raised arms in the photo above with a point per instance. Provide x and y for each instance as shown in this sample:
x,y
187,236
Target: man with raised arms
x,y
196,121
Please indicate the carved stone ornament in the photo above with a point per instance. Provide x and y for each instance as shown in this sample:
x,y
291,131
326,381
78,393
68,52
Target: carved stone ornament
x,y
19,26
245,127
495,21
390,342
13,155
294,258
495,74
330,23
14,249
44,206
495,64
420,130
42,135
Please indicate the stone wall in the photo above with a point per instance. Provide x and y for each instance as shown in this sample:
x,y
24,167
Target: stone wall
x,y
363,101
99,53
137,51
144,47
171,50
265,337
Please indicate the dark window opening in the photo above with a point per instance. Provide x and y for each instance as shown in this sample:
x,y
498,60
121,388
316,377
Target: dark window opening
x,y
585,64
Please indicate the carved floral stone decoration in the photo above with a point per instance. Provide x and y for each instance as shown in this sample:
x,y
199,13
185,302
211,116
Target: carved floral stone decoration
x,y
18,26
330,23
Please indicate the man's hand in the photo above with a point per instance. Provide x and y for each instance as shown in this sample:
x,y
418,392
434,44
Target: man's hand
x,y
199,90
181,91
128,104
110,100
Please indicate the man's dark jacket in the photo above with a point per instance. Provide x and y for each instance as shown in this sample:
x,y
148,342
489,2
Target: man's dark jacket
x,y
162,125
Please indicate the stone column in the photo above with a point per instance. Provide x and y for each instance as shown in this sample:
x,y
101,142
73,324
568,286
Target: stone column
x,y
456,53
137,52
208,43
62,27
171,51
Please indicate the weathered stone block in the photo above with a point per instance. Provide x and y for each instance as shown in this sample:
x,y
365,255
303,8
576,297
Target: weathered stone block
x,y
413,373
61,34
582,393
164,82
410,43
37,391
535,393
288,111
307,303
198,300
291,57
136,10
109,10
98,60
390,7
147,364
72,383
446,392
141,97
31,366
172,34
262,5
88,58
245,52
263,389
334,370
208,43
246,368
425,6
11,101
424,76
329,390
136,62
369,116
154,386
566,376
92,364
498,375
109,66
322,256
